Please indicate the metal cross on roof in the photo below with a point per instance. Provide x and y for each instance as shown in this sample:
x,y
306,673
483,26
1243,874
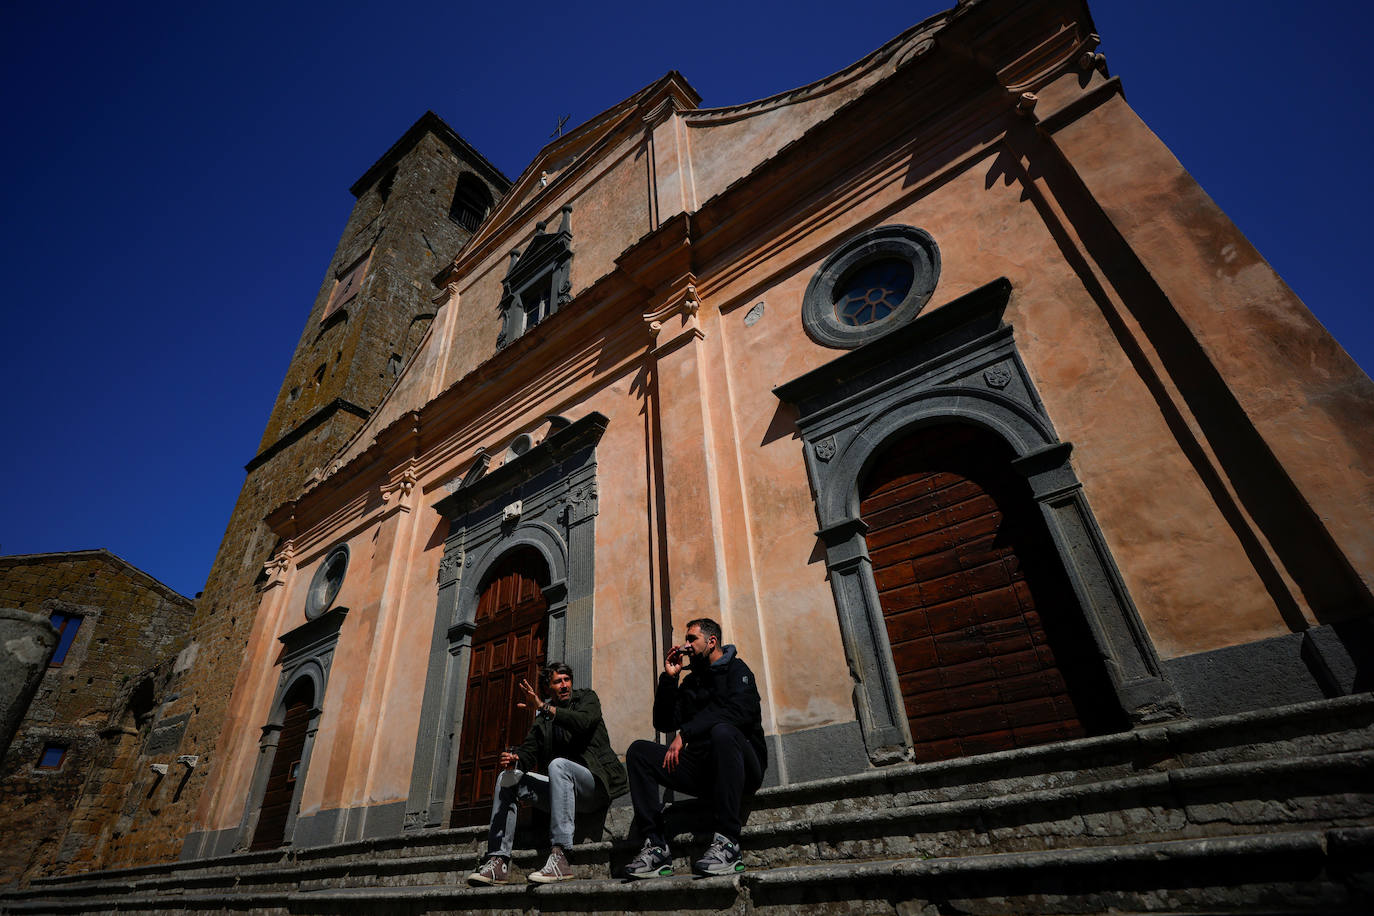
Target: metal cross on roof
x,y
558,131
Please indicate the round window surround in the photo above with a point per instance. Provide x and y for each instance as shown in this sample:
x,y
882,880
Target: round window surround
x,y
876,282
324,587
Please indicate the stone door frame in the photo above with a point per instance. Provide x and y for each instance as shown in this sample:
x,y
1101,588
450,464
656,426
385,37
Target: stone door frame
x,y
546,500
958,363
308,654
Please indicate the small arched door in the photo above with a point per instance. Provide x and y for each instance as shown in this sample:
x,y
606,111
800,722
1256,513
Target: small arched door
x,y
286,767
508,644
989,645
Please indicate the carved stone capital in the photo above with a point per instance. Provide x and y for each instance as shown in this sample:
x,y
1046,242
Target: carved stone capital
x,y
397,492
449,293
579,503
678,316
279,565
450,566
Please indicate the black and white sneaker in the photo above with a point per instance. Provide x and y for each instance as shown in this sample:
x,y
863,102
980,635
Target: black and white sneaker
x,y
722,858
652,862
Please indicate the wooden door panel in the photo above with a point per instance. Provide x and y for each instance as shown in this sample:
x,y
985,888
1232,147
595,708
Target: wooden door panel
x,y
284,774
949,531
508,645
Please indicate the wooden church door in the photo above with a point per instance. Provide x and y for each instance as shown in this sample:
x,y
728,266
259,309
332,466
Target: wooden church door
x,y
989,644
507,645
285,772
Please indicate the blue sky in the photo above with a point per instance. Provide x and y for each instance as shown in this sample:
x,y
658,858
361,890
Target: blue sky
x,y
178,178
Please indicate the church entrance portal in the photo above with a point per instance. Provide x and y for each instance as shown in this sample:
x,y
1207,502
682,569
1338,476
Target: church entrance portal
x,y
508,644
986,638
286,766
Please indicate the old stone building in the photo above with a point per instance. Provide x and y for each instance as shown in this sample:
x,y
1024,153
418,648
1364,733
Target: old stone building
x,y
689,361
938,381
68,784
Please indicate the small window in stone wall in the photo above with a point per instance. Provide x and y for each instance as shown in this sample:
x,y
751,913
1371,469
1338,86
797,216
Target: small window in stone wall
x,y
346,287
387,183
67,625
874,283
52,757
471,202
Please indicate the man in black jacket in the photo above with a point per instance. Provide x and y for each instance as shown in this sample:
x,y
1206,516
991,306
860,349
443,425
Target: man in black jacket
x,y
567,740
719,752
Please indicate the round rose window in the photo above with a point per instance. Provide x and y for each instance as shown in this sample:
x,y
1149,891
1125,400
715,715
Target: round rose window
x,y
873,291
324,587
876,282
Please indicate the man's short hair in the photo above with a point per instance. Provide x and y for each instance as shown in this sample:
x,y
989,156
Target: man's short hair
x,y
553,668
708,627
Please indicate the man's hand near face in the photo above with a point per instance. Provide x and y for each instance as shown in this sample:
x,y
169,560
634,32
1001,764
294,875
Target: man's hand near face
x,y
674,663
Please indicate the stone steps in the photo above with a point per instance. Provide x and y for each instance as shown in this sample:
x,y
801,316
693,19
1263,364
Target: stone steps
x,y
1328,872
1302,771
1327,790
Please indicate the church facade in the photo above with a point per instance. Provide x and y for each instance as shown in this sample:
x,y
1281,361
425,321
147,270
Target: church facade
x,y
939,382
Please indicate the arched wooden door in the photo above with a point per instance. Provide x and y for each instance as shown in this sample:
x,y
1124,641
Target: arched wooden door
x,y
507,645
989,645
285,772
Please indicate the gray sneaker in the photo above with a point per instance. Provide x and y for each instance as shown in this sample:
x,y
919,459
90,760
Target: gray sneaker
x,y
722,858
556,869
652,862
495,870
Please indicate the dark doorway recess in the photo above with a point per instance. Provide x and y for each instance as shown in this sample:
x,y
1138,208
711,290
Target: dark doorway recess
x,y
286,765
508,644
988,643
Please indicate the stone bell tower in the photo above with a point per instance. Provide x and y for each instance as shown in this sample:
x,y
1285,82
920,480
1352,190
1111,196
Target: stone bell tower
x,y
416,206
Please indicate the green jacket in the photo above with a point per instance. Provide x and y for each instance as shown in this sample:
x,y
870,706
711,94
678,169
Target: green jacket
x,y
578,733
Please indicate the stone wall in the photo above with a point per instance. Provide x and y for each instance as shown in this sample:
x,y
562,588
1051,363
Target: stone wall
x,y
129,624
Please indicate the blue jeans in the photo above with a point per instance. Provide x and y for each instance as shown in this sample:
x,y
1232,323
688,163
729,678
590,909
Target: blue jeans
x,y
569,789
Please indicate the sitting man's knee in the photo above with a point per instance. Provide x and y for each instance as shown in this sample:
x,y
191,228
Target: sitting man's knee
x,y
643,748
724,732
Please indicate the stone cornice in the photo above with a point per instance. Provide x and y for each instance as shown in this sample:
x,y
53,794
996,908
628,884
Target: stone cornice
x,y
913,42
318,416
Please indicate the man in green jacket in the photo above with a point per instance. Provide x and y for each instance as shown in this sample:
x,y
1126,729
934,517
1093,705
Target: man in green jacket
x,y
568,741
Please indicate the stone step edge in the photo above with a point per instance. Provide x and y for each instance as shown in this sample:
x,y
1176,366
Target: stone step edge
x,y
1317,712
1354,762
1348,849
1244,728
1350,843
1238,774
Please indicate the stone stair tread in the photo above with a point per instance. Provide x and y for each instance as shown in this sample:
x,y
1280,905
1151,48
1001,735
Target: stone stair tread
x,y
1290,846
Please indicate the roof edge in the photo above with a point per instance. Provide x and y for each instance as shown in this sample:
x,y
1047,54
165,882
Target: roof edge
x,y
429,122
109,556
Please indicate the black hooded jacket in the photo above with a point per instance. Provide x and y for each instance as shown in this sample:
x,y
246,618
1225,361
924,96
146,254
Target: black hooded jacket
x,y
724,691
